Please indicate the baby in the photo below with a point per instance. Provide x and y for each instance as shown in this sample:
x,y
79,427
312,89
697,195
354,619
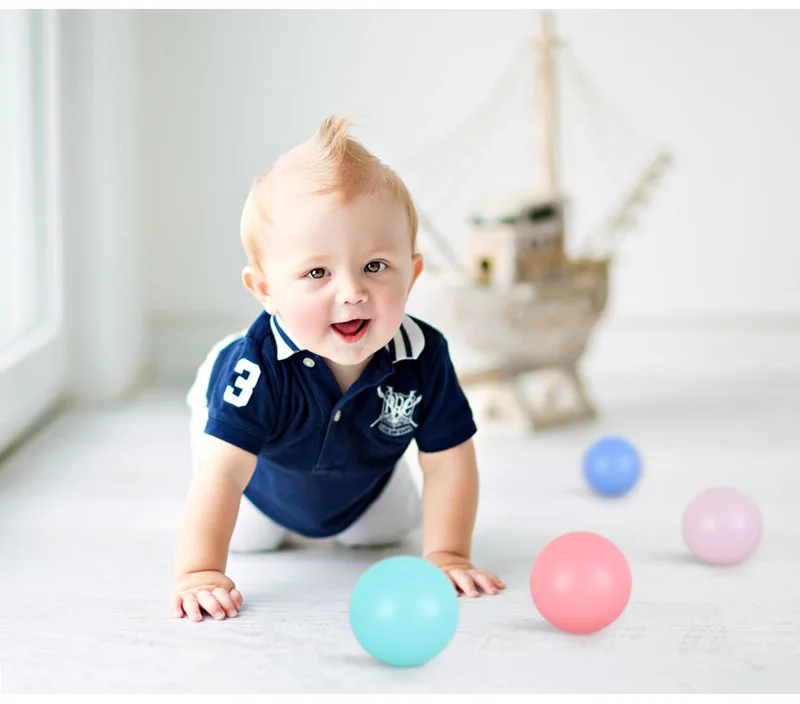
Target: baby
x,y
300,423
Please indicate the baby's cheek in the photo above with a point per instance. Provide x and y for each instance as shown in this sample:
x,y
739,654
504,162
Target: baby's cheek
x,y
305,318
392,306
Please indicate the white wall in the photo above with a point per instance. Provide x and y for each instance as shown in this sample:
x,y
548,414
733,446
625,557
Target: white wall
x,y
103,165
710,275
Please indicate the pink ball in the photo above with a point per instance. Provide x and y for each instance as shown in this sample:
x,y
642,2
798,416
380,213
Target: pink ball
x,y
722,526
580,582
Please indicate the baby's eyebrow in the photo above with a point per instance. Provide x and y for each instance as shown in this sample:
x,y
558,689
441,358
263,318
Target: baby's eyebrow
x,y
313,260
383,249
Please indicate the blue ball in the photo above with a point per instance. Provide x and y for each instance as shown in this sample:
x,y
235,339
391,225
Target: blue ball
x,y
611,466
403,611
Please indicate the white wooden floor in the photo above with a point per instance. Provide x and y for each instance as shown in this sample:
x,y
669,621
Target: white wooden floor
x,y
89,509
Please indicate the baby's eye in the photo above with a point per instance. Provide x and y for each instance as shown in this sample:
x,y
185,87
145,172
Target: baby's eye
x,y
317,273
375,267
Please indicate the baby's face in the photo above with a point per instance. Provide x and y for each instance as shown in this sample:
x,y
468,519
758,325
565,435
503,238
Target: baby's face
x,y
339,273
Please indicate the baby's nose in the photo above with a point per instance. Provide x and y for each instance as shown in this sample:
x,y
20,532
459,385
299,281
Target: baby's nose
x,y
351,293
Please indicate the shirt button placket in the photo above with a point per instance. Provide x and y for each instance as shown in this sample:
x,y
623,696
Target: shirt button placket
x,y
336,416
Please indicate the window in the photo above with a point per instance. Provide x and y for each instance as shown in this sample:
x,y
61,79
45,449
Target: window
x,y
14,173
31,337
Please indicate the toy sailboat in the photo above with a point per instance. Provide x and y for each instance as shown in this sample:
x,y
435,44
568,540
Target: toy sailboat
x,y
519,296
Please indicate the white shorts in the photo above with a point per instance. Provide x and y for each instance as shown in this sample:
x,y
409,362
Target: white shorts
x,y
388,520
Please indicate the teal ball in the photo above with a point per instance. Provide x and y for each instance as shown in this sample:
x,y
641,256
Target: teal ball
x,y
403,611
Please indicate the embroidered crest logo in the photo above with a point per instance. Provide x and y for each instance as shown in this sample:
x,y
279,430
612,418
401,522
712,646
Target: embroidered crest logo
x,y
395,418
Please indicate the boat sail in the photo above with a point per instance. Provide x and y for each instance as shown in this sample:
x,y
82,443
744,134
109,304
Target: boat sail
x,y
511,287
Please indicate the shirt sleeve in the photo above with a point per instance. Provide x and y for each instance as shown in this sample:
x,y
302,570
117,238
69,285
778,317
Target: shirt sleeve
x,y
240,405
445,418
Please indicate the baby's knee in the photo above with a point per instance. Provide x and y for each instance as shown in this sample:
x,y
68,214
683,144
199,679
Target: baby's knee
x,y
390,532
255,542
255,531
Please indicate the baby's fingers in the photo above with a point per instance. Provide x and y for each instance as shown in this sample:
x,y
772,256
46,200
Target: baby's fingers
x,y
499,583
485,581
236,596
225,601
176,606
191,607
209,602
463,581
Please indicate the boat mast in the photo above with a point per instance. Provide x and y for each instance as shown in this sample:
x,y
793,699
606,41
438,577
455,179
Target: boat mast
x,y
548,176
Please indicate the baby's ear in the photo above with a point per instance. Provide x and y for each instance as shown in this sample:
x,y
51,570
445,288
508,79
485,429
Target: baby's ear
x,y
255,282
417,264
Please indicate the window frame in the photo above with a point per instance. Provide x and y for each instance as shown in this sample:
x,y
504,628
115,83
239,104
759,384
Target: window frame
x,y
33,365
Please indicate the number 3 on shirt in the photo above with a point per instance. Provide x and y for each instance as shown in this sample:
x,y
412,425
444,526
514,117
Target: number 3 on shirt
x,y
245,383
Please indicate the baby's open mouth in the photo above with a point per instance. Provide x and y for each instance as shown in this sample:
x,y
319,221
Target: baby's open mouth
x,y
351,330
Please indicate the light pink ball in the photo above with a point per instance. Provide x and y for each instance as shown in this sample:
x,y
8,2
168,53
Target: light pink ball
x,y
722,526
580,582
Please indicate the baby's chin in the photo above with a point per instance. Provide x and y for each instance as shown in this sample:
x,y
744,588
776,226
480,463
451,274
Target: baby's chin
x,y
351,355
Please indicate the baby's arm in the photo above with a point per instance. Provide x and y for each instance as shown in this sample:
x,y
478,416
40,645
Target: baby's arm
x,y
449,507
210,511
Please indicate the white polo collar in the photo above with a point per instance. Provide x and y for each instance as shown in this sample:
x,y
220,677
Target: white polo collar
x,y
408,342
284,345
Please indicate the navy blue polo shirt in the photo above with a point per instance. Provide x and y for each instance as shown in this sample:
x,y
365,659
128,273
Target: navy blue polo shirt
x,y
324,456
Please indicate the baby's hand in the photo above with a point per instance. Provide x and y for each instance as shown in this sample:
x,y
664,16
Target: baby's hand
x,y
464,576
211,590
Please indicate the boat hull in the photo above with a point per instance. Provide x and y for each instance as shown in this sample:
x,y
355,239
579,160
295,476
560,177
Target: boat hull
x,y
540,323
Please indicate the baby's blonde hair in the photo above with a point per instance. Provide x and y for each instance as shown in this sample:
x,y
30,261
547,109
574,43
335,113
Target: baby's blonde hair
x,y
335,163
